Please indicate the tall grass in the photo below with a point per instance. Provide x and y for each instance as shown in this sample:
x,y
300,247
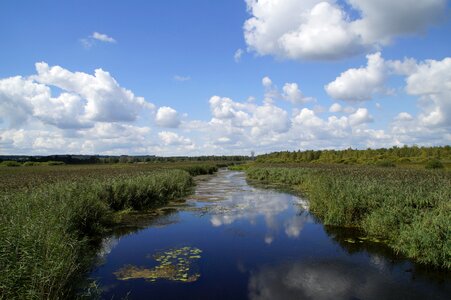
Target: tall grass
x,y
410,209
46,232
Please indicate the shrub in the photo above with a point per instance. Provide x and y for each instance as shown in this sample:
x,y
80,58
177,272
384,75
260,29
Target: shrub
x,y
31,163
434,164
386,163
11,163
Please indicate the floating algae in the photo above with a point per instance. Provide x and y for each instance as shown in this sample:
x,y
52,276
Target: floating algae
x,y
174,264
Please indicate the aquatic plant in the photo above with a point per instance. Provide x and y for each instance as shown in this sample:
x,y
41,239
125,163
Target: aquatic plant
x,y
174,264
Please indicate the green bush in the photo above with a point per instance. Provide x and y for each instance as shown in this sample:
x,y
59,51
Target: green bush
x,y
386,163
31,163
434,164
11,163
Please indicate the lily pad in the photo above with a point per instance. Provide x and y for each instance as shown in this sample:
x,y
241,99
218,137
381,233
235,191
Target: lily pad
x,y
174,264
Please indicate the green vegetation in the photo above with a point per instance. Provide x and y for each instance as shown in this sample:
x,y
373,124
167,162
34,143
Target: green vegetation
x,y
383,157
13,179
52,216
11,163
174,264
434,164
409,209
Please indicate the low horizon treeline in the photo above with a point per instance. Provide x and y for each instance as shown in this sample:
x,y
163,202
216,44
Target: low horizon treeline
x,y
31,160
405,154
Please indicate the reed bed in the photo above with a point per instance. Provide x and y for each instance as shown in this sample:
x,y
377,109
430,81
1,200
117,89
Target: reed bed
x,y
409,209
48,230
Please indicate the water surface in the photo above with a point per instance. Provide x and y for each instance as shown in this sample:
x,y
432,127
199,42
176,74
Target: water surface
x,y
254,243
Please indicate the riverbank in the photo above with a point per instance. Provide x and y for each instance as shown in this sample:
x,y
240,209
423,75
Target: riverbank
x,y
49,230
409,210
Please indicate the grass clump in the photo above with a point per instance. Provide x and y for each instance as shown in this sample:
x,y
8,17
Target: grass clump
x,y
46,232
410,209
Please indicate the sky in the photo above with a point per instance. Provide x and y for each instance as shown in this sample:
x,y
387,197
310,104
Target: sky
x,y
222,77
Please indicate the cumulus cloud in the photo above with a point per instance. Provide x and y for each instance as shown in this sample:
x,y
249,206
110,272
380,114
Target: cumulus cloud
x,y
360,84
173,139
322,29
403,116
60,111
167,117
258,120
105,99
361,116
292,93
431,81
334,108
267,82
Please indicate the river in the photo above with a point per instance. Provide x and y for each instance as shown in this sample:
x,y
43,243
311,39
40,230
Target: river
x,y
232,240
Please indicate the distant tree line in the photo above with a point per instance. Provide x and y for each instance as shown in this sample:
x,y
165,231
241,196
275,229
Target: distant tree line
x,y
405,154
102,159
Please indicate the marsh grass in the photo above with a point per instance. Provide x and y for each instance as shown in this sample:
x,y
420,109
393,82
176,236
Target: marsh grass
x,y
48,231
410,209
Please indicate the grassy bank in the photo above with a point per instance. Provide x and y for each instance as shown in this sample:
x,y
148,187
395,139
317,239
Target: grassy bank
x,y
409,209
47,230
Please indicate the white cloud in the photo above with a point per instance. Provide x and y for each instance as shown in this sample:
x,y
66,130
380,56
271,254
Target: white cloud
x,y
167,117
292,93
383,20
267,82
431,81
334,108
361,116
238,54
324,34
322,29
403,116
173,139
59,111
181,78
103,37
360,84
105,100
96,37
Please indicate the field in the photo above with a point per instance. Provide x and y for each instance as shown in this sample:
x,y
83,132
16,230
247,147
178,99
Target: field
x,y
408,209
52,216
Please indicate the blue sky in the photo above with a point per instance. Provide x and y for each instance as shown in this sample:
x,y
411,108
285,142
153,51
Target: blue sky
x,y
171,82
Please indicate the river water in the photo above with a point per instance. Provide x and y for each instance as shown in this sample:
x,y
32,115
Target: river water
x,y
231,240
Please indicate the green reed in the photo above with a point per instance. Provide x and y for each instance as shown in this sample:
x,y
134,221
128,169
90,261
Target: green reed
x,y
410,209
47,230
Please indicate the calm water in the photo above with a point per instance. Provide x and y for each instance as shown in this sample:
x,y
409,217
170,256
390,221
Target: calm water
x,y
258,243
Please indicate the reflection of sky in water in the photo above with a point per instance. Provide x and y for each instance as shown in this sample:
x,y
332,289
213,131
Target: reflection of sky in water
x,y
326,279
257,244
239,202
